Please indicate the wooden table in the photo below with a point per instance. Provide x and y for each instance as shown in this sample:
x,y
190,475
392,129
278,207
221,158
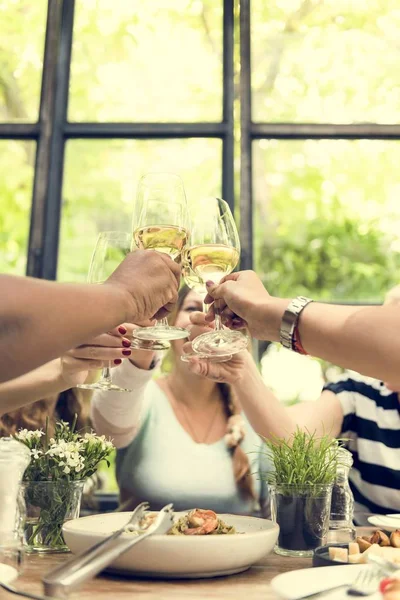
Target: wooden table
x,y
253,584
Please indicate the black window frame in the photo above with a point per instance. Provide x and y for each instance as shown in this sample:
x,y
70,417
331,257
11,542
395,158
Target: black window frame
x,y
251,131
53,130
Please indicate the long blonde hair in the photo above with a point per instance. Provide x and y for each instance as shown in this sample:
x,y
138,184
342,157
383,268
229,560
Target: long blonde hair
x,y
33,416
240,460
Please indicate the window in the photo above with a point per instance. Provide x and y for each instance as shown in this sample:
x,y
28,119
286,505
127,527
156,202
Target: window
x,y
124,90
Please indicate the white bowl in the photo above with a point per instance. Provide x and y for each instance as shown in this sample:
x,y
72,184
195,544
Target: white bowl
x,y
169,556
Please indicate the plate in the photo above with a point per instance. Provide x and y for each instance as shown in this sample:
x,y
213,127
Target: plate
x,y
168,556
389,522
7,573
321,556
296,584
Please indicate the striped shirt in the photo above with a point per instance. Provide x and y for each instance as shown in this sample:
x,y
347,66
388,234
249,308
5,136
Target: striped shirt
x,y
371,421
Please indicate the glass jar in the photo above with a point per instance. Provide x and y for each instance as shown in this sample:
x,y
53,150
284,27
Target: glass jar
x,y
341,527
302,513
14,458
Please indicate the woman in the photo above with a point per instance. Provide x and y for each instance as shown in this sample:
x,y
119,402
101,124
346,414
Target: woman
x,y
180,438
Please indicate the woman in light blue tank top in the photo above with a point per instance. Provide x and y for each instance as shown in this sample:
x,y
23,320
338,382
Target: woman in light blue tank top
x,y
181,438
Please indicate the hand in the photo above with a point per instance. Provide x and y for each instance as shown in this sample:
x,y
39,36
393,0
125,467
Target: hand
x,y
243,302
96,354
227,372
152,280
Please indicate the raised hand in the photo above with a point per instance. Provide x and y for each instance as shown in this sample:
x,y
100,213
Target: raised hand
x,y
243,302
111,347
152,280
227,372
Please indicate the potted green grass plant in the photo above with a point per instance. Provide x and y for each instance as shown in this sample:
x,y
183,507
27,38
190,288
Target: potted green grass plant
x,y
300,485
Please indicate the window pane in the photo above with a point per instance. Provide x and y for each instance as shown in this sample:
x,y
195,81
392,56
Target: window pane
x,y
22,26
327,218
332,61
100,188
16,181
147,61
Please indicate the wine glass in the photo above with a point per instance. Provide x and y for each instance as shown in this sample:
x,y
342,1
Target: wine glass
x,y
214,252
110,250
161,222
197,285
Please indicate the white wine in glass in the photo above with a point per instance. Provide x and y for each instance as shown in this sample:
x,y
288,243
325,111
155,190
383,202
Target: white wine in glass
x,y
214,252
110,250
161,223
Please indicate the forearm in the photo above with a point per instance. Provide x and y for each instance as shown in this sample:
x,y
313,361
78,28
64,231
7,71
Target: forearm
x,y
119,414
40,383
39,320
355,337
266,414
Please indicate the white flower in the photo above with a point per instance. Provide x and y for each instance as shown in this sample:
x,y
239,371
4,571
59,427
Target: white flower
x,y
25,435
36,453
66,470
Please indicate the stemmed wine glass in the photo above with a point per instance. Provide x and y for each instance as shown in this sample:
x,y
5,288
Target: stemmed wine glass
x,y
110,250
214,252
161,222
197,285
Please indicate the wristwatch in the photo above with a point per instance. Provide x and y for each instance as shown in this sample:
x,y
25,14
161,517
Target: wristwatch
x,y
289,320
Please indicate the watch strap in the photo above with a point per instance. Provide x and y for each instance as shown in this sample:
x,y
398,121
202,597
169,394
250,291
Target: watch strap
x,y
290,319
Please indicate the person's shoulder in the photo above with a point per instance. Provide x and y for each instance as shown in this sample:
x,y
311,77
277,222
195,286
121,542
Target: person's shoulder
x,y
362,386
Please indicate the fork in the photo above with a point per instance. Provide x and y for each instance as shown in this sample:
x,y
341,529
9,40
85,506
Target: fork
x,y
365,584
66,578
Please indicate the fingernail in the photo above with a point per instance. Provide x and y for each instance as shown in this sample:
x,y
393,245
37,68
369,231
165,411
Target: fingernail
x,y
117,361
126,352
122,329
126,343
208,283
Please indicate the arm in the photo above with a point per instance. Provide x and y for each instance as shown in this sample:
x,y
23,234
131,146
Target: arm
x,y
324,416
40,383
62,373
360,338
39,320
119,415
56,318
266,414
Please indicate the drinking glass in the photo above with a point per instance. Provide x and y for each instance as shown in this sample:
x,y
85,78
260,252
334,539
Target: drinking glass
x,y
161,222
110,250
214,252
196,284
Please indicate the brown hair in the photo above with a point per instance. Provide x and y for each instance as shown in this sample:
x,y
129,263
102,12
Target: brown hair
x,y
33,416
240,460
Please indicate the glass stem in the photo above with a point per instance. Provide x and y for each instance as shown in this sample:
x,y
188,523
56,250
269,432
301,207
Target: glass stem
x,y
217,322
162,323
106,374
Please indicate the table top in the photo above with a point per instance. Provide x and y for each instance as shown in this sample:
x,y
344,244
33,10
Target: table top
x,y
251,584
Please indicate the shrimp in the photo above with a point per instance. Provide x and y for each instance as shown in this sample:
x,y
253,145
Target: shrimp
x,y
201,522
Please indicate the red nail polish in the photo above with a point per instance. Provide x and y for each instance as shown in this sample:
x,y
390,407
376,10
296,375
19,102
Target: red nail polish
x,y
122,329
126,343
126,352
117,361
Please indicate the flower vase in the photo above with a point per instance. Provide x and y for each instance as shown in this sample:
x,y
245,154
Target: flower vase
x,y
49,504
